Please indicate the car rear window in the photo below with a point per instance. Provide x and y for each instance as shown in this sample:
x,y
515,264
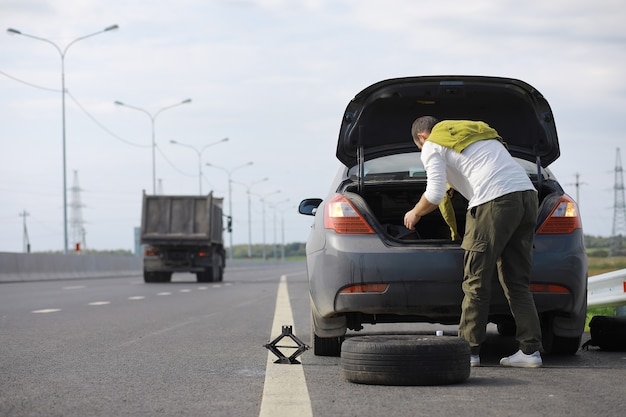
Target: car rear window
x,y
409,165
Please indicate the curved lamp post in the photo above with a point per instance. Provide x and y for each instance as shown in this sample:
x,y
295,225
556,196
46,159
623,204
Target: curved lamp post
x,y
229,172
199,152
152,119
62,53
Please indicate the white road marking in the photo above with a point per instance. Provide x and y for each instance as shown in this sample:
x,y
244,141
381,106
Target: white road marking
x,y
137,297
74,287
99,303
185,290
46,310
216,285
164,293
285,392
203,288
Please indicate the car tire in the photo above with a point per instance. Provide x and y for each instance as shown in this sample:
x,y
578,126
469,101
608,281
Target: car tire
x,y
325,346
557,345
506,328
405,360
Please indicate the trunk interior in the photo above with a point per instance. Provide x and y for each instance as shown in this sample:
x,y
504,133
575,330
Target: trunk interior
x,y
384,205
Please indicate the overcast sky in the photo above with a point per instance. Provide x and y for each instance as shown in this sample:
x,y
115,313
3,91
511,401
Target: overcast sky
x,y
274,76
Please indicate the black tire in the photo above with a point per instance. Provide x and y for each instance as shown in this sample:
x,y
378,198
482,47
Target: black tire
x,y
205,276
557,345
149,277
326,346
156,276
405,360
219,270
506,328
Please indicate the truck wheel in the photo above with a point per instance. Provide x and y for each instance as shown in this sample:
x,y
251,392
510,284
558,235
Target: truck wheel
x,y
149,277
205,276
157,276
219,270
405,360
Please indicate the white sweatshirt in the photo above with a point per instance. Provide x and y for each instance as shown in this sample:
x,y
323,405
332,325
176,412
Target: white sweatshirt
x,y
482,172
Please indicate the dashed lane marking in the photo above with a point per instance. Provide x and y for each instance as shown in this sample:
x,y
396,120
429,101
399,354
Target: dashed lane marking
x,y
285,392
74,287
132,298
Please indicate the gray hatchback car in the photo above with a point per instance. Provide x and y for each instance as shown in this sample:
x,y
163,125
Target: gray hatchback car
x,y
365,267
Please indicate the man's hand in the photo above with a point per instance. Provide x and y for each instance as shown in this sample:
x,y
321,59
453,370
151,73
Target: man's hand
x,y
422,208
411,218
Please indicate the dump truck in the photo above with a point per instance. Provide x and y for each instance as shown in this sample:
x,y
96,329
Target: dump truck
x,y
182,234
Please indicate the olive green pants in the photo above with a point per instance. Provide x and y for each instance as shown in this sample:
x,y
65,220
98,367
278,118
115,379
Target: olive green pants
x,y
499,237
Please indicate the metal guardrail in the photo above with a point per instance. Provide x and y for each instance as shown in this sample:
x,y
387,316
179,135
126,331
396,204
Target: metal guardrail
x,y
607,290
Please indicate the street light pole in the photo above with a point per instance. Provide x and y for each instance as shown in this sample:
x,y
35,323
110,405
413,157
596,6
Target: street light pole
x,y
152,120
275,207
199,152
229,173
62,53
263,197
248,186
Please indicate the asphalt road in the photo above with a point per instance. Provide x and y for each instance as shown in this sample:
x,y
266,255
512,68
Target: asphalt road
x,y
119,347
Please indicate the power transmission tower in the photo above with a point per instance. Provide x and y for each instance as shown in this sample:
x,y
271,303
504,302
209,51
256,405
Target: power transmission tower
x,y
619,209
25,239
77,225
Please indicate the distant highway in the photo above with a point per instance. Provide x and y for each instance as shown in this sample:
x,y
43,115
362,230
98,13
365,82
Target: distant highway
x,y
119,347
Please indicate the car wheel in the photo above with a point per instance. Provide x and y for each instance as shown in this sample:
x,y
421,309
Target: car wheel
x,y
325,346
405,360
557,345
506,328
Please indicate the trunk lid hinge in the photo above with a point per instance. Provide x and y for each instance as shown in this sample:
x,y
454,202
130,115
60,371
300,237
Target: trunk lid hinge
x,y
539,176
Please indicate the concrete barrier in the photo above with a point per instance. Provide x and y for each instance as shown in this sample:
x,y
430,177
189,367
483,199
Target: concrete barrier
x,y
16,267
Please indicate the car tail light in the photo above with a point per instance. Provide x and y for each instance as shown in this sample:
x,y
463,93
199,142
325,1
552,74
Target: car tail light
x,y
341,216
365,288
563,219
150,252
549,288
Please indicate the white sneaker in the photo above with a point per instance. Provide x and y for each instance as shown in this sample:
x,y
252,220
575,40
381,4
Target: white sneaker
x,y
522,360
474,361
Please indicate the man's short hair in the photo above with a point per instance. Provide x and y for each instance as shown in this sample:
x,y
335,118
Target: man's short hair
x,y
423,124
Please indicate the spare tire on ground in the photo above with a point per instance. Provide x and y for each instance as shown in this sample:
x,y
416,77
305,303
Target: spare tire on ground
x,y
405,360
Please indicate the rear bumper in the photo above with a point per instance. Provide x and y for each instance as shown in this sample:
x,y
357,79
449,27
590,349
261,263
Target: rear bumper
x,y
425,281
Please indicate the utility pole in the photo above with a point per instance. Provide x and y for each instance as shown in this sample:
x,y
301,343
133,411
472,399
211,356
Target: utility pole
x,y
619,209
577,184
25,239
